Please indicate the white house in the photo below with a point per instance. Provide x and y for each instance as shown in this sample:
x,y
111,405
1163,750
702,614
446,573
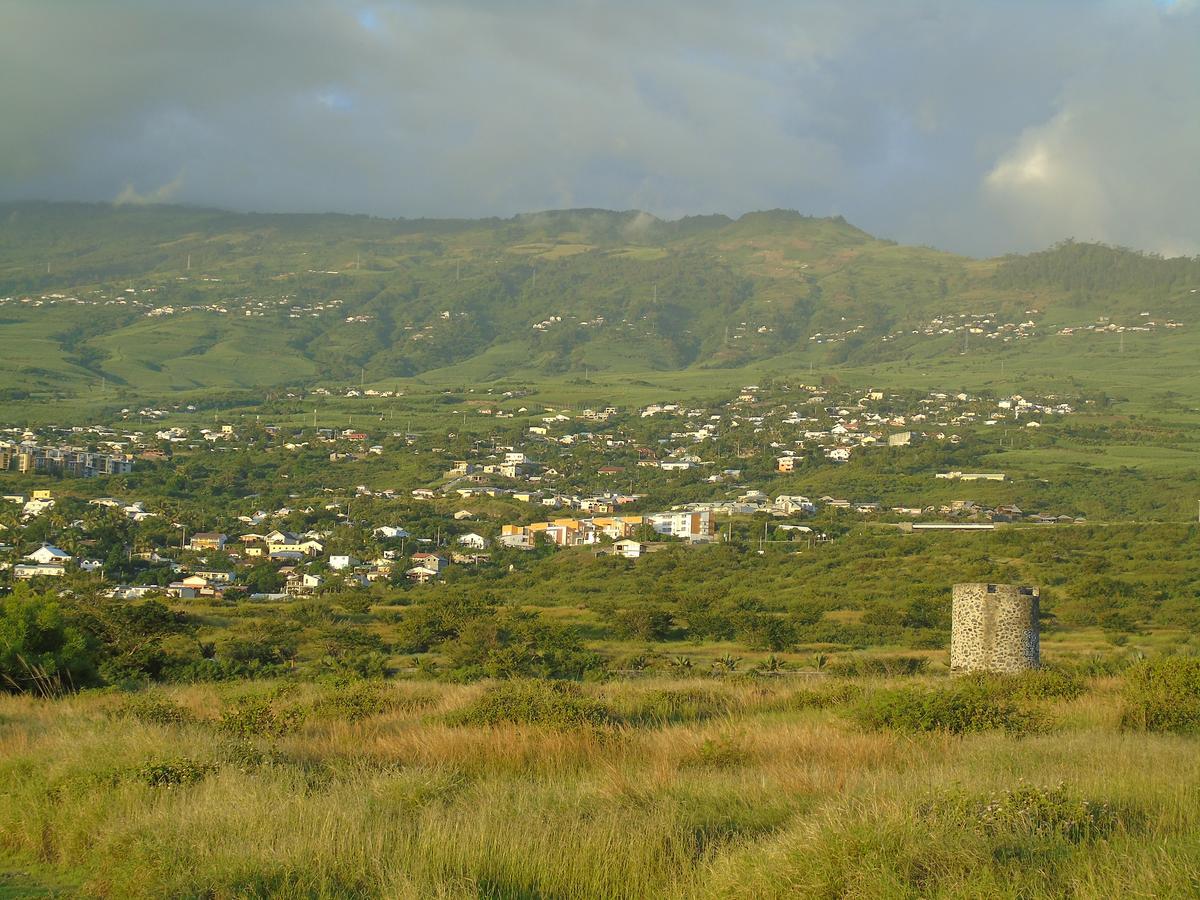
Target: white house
x,y
390,531
25,571
47,554
473,540
339,562
629,549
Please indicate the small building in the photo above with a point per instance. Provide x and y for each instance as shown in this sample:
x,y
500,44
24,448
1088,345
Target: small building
x,y
628,548
208,540
25,571
434,561
48,554
473,541
421,574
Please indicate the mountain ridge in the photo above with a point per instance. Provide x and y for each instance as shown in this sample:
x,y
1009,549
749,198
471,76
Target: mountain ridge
x,y
182,298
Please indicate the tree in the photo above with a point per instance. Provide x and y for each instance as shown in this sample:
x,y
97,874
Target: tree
x,y
41,648
130,636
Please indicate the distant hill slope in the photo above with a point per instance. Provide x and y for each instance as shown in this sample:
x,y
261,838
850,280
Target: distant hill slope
x,y
168,298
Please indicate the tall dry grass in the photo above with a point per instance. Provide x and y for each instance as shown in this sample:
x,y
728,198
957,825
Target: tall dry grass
x,y
696,789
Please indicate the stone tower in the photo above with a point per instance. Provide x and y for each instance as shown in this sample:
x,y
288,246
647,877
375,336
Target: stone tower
x,y
994,629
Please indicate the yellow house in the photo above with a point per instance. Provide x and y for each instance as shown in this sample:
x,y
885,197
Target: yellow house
x,y
43,495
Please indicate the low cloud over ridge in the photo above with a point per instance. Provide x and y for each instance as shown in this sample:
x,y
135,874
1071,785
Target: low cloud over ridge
x,y
982,127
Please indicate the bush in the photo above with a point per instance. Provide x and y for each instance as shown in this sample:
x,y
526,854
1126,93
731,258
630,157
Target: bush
x,y
1163,695
355,702
967,706
176,772
644,623
517,644
553,704
257,717
824,697
155,710
878,666
1029,812
41,649
1047,684
680,705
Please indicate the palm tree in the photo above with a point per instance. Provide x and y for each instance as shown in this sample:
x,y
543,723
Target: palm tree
x,y
772,665
727,663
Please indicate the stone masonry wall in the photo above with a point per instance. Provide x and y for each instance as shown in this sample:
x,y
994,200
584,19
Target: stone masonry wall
x,y
994,628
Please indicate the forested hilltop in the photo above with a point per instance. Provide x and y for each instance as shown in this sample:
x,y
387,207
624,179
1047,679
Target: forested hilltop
x,y
165,298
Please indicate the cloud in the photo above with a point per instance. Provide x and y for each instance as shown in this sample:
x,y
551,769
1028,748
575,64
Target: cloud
x,y
982,127
1116,162
164,193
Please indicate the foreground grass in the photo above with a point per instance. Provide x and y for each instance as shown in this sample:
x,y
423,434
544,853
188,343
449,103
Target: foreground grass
x,y
656,788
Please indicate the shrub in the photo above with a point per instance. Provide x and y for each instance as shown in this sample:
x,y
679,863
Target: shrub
x,y
967,706
645,623
878,666
156,710
355,702
1047,684
257,717
1028,811
722,752
42,650
176,772
554,704
356,604
681,705
1163,695
819,698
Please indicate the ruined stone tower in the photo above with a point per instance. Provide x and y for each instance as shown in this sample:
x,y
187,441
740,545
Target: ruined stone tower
x,y
994,628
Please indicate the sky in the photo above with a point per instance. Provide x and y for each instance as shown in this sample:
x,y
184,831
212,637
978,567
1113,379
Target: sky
x,y
979,126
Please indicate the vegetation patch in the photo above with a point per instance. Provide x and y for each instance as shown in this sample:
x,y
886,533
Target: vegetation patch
x,y
966,706
1163,695
173,773
154,709
670,706
1028,811
1048,684
253,717
552,704
878,666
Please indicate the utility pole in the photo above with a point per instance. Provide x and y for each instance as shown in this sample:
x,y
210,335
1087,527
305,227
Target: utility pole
x,y
189,262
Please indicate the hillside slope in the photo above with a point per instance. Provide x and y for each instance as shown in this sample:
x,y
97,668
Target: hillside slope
x,y
174,298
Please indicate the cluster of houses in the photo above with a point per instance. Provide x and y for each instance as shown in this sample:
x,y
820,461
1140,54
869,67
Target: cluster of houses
x,y
988,326
49,561
29,456
1105,325
693,526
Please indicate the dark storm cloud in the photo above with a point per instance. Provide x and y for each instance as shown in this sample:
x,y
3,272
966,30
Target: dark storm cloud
x,y
982,127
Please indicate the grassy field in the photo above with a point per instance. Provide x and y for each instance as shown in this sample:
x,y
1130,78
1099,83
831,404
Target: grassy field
x,y
732,787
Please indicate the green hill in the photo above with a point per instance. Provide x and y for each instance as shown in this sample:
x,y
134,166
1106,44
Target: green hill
x,y
164,298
